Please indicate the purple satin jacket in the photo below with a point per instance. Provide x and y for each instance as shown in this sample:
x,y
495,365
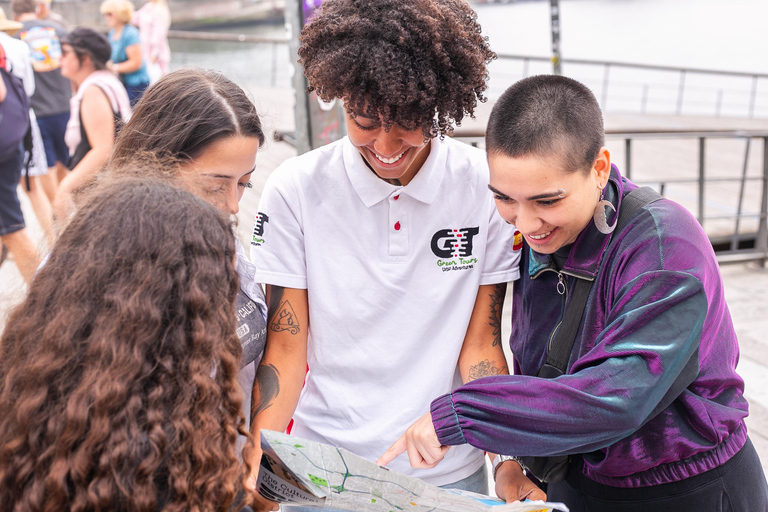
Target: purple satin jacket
x,y
656,305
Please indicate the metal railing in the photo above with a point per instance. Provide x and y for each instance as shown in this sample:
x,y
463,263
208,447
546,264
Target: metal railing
x,y
736,246
619,86
726,230
645,88
736,243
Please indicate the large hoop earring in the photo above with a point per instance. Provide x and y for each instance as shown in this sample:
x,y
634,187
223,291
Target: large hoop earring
x,y
601,222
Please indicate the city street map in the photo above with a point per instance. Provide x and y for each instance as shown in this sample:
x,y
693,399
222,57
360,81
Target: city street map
x,y
299,472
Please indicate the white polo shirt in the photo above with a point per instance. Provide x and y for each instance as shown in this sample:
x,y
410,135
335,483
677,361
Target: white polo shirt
x,y
392,274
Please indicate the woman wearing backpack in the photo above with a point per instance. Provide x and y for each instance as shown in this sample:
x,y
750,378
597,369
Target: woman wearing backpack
x,y
14,122
98,107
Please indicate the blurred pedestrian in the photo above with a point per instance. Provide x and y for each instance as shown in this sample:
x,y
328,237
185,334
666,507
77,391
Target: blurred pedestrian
x,y
14,124
99,107
52,91
127,59
19,63
44,12
154,20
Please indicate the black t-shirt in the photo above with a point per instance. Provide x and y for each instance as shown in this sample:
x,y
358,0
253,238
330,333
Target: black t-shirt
x,y
52,91
251,328
560,256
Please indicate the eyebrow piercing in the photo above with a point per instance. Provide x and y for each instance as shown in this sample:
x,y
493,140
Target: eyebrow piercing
x,y
560,193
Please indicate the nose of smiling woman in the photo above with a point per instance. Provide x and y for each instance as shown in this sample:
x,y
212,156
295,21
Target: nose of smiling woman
x,y
524,219
389,144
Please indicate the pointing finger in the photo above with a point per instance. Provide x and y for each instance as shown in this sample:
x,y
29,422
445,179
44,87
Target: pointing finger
x,y
393,451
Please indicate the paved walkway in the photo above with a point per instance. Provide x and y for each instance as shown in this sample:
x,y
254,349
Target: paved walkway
x,y
746,284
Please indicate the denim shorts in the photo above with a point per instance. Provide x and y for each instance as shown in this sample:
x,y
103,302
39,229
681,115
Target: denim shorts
x,y
52,129
11,218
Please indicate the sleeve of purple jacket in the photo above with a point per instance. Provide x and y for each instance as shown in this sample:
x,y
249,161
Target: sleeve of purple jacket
x,y
652,331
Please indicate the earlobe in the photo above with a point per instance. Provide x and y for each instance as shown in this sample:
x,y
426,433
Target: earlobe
x,y
602,167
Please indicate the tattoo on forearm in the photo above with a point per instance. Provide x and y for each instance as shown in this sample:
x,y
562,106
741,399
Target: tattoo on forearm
x,y
266,389
485,369
285,319
497,302
281,316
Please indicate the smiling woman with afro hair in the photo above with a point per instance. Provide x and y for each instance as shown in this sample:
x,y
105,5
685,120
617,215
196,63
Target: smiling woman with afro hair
x,y
393,234
415,63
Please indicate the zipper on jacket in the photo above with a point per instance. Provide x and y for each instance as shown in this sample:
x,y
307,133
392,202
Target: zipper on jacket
x,y
562,289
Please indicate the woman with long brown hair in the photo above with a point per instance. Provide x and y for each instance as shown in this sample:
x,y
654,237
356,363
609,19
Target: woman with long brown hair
x,y
206,124
118,373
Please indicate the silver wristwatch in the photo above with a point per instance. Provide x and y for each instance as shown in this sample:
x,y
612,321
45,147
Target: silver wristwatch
x,y
501,459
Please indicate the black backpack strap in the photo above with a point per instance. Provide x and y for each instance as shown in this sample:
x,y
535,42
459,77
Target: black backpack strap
x,y
633,202
561,344
28,148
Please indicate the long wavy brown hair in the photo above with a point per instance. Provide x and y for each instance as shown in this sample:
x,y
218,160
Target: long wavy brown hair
x,y
184,113
118,385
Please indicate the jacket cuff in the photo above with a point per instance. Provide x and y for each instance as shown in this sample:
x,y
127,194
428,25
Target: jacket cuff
x,y
446,421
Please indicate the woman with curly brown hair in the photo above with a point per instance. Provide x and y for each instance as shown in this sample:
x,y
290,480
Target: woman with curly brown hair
x,y
385,260
118,373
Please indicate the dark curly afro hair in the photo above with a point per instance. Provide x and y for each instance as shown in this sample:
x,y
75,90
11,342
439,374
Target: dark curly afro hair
x,y
413,63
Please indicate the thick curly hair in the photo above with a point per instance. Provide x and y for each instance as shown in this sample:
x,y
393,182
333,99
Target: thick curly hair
x,y
118,373
414,63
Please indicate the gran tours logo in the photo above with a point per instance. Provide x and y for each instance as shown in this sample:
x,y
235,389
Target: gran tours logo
x,y
258,229
453,247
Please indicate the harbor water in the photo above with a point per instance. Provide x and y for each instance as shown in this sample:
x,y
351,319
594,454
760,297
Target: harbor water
x,y
726,35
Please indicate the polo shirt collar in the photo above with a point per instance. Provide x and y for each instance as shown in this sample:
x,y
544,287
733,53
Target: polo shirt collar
x,y
371,189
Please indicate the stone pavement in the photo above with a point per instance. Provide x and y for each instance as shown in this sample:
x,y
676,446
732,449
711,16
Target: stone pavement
x,y
746,285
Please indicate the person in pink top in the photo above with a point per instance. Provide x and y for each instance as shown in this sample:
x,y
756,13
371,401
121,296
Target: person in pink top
x,y
153,21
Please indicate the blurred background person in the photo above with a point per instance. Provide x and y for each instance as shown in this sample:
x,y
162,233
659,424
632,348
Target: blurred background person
x,y
99,107
127,59
14,124
52,91
112,403
44,12
153,21
35,165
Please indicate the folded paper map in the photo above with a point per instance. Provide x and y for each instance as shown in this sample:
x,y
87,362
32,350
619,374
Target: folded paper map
x,y
299,472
